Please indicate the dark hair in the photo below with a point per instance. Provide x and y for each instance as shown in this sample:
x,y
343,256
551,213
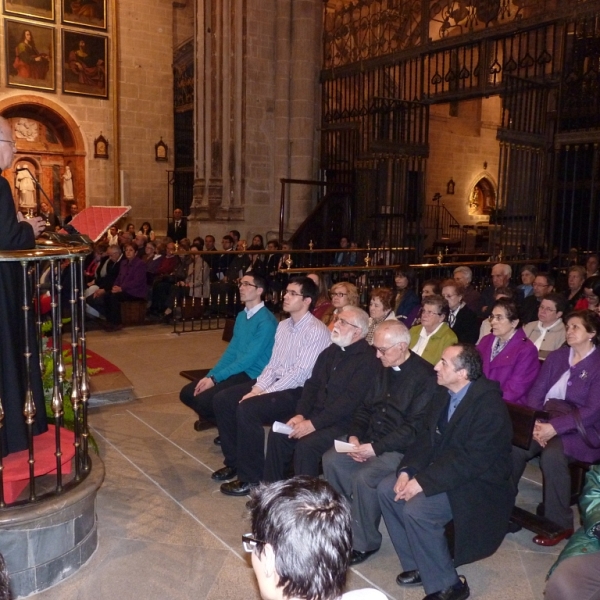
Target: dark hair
x,y
404,272
531,268
210,235
149,227
435,284
130,245
261,246
440,302
592,283
469,359
384,295
308,525
128,226
228,237
550,280
590,321
512,314
308,289
235,233
198,241
259,281
323,291
504,291
559,301
274,242
460,290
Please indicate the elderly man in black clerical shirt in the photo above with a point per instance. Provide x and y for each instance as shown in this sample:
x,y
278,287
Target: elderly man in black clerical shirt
x,y
341,378
383,427
458,468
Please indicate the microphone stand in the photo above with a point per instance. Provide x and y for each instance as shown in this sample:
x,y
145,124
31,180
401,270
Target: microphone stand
x,y
40,188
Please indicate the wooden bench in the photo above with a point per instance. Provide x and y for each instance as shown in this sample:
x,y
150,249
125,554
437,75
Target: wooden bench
x,y
523,421
133,312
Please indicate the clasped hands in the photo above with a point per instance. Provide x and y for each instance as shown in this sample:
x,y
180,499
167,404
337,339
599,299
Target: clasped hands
x,y
406,488
543,433
300,427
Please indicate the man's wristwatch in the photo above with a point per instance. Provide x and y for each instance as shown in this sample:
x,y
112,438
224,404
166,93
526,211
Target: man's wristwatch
x,y
211,377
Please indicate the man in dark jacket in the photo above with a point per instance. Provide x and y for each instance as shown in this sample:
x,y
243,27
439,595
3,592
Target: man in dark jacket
x,y
341,378
459,468
384,426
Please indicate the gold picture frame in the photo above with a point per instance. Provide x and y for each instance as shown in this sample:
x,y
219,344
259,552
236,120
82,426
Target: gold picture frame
x,y
101,147
161,151
30,55
30,9
85,64
84,13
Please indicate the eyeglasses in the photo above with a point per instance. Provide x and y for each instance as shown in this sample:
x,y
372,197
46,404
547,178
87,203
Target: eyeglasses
x,y
246,284
547,309
337,319
429,312
9,142
338,294
250,542
493,318
382,351
292,293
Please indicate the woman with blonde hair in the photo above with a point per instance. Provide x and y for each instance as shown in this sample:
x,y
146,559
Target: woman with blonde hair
x,y
342,294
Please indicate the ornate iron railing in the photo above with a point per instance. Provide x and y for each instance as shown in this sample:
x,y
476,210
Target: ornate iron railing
x,y
54,258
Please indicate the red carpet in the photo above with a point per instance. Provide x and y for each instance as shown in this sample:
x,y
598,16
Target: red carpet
x,y
16,465
95,361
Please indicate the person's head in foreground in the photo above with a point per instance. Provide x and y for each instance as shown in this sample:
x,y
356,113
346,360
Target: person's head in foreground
x,y
301,539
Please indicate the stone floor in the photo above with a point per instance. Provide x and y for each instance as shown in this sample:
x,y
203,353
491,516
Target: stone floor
x,y
165,530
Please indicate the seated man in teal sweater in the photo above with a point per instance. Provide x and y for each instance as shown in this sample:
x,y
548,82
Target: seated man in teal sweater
x,y
247,354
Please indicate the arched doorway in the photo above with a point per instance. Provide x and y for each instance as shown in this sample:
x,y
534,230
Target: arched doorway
x,y
48,139
482,197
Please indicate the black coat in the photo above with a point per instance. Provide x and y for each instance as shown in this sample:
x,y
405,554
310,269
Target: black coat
x,y
177,234
529,310
16,235
339,382
470,460
466,326
394,410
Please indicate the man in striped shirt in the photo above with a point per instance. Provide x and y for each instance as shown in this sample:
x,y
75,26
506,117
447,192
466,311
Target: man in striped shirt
x,y
242,410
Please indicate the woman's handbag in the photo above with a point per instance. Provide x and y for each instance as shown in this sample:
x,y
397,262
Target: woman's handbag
x,y
559,408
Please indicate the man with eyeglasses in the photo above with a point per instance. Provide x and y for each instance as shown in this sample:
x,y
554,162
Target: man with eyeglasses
x,y
383,427
300,542
543,284
341,378
16,233
242,410
246,356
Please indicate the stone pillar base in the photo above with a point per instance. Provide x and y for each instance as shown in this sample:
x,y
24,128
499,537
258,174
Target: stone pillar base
x,y
47,541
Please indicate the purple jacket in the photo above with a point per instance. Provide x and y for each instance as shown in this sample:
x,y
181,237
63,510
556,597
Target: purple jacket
x,y
132,277
515,368
583,389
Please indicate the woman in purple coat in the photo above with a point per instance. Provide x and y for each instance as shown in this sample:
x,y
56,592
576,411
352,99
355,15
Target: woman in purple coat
x,y
508,356
570,375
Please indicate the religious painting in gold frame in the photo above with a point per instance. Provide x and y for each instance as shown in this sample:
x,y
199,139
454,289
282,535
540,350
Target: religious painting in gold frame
x,y
30,9
84,13
85,64
29,54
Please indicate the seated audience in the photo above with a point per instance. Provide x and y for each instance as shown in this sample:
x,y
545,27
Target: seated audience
x,y
342,294
246,356
543,284
323,309
341,378
548,332
380,309
300,542
242,410
568,389
105,277
94,260
430,288
590,299
464,277
461,319
528,273
576,573
384,426
153,259
575,278
129,285
344,259
501,274
591,266
164,278
429,339
49,216
405,299
508,356
457,469
486,324
112,236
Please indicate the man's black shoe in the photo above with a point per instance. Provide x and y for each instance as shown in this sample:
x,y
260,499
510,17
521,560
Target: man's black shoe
x,y
409,578
237,488
224,474
201,425
217,441
356,556
459,591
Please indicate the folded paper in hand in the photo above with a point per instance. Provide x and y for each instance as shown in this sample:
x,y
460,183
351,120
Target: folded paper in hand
x,y
344,446
279,427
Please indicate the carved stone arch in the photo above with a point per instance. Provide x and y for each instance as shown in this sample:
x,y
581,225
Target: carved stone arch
x,y
47,138
482,194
